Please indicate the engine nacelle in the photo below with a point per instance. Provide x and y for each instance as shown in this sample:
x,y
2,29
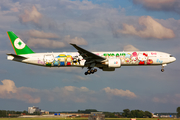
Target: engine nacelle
x,y
114,63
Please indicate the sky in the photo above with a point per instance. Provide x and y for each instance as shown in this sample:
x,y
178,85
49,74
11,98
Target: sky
x,y
96,25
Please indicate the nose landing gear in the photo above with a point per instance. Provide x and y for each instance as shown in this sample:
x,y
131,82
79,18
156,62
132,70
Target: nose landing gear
x,y
90,71
163,65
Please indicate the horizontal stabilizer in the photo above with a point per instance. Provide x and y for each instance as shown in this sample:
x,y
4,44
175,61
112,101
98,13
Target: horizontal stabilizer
x,y
17,56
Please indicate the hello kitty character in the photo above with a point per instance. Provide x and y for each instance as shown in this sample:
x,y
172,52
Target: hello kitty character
x,y
142,58
134,58
122,59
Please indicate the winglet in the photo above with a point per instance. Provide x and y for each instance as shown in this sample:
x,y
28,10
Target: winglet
x,y
73,44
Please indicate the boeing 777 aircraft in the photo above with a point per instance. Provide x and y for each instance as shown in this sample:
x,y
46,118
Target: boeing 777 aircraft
x,y
107,61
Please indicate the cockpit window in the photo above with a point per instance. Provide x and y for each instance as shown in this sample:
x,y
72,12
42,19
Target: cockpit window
x,y
171,55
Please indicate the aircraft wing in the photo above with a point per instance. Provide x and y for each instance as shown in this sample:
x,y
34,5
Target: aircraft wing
x,y
88,56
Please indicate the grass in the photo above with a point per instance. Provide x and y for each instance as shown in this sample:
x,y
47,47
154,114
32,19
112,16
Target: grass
x,y
54,118
143,118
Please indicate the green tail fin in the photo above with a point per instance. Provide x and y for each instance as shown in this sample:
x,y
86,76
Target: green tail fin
x,y
19,46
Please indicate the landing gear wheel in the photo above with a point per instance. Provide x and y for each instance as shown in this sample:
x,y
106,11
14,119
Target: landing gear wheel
x,y
163,65
85,73
92,71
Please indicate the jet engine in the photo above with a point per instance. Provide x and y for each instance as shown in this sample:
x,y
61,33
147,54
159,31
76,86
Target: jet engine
x,y
114,63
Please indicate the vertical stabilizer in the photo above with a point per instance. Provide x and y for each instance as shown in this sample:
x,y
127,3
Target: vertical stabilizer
x,y
19,46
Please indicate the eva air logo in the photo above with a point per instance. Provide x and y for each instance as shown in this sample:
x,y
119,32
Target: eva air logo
x,y
19,44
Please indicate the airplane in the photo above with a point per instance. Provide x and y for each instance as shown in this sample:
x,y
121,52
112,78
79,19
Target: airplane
x,y
107,61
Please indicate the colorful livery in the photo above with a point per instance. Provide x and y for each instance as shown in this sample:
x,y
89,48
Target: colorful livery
x,y
107,61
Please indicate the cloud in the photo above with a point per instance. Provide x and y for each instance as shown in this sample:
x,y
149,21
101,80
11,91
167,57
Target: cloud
x,y
75,40
84,5
130,48
92,17
5,51
121,93
68,93
41,34
45,43
72,94
152,29
7,7
173,99
81,78
8,90
160,5
159,100
31,16
45,40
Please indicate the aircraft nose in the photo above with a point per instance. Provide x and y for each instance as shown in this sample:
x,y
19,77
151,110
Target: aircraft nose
x,y
173,59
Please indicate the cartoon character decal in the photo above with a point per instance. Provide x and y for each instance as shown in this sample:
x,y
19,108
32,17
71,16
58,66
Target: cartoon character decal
x,y
48,59
56,62
76,60
142,58
69,60
134,58
149,61
62,59
127,58
41,62
122,59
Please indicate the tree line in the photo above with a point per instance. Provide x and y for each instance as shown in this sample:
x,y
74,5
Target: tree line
x,y
12,113
126,113
136,114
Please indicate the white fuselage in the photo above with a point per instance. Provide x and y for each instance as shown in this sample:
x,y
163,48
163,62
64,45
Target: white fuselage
x,y
73,59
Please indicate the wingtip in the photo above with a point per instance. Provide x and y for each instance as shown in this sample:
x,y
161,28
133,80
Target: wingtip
x,y
72,44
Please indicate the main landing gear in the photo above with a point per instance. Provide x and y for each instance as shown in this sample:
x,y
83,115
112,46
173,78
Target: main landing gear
x,y
90,71
163,65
